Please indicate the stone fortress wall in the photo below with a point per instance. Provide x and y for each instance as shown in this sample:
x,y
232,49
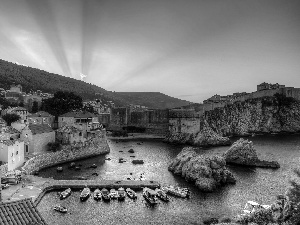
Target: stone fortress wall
x,y
92,147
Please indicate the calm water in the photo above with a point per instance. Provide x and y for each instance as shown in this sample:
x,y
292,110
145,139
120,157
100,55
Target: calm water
x,y
261,185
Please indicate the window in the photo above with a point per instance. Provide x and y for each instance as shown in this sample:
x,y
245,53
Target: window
x,y
80,134
17,152
12,154
26,148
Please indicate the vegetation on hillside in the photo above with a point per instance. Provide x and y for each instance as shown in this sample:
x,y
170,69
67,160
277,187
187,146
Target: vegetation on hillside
x,y
36,79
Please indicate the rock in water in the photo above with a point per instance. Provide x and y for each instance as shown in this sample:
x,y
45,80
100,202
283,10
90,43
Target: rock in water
x,y
242,152
208,172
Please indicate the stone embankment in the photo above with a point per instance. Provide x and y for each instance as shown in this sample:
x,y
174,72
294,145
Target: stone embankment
x,y
206,137
208,172
93,184
68,153
242,152
256,116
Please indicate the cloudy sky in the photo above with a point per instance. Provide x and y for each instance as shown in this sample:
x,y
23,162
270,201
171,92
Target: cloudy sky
x,y
190,49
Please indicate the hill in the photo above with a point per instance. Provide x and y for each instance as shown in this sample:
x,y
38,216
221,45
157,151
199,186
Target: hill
x,y
36,79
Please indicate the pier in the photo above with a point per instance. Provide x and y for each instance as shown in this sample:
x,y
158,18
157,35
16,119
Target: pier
x,y
93,184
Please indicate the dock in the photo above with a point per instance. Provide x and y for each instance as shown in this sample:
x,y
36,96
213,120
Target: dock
x,y
93,184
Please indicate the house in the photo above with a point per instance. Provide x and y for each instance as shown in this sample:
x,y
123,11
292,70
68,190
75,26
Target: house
x,y
84,121
11,151
21,212
21,111
11,133
41,117
2,123
36,137
69,135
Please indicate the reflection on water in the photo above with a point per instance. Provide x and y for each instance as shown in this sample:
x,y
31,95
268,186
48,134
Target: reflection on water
x,y
257,184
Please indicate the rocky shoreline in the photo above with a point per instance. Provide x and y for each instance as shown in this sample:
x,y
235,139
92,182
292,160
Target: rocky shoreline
x,y
242,152
206,137
208,172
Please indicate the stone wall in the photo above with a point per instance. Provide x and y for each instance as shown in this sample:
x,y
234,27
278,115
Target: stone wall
x,y
93,147
184,125
41,140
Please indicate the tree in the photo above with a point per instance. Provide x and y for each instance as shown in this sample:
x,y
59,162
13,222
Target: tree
x,y
10,118
35,107
61,103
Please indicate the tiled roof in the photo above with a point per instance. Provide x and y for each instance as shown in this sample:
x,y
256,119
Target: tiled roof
x,y
78,114
40,128
8,143
11,130
18,108
68,129
40,114
2,120
21,212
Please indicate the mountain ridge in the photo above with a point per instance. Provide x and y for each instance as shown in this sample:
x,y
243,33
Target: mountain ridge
x,y
37,79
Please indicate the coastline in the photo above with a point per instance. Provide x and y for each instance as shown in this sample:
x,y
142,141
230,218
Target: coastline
x,y
137,136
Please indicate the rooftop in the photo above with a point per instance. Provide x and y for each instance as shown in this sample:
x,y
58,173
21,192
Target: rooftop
x,y
40,114
40,128
21,212
68,129
78,114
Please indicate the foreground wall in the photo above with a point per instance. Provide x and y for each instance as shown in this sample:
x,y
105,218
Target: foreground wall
x,y
93,147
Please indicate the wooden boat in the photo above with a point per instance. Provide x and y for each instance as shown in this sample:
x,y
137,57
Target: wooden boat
x,y
97,194
113,194
179,192
105,194
150,196
252,206
162,195
85,194
131,194
66,193
59,169
121,193
60,209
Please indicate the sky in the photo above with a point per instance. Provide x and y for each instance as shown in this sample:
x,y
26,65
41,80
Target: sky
x,y
189,49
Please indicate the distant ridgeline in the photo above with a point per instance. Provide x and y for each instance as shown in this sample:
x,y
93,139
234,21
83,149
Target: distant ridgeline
x,y
36,79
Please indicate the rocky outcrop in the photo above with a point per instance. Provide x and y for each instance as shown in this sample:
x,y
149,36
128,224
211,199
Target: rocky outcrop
x,y
276,114
206,137
208,172
242,152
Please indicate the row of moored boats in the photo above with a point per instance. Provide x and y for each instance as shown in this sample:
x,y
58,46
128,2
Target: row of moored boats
x,y
150,195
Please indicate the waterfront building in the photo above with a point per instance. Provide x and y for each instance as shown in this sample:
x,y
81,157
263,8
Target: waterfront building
x,y
11,151
84,121
69,135
21,212
36,138
41,117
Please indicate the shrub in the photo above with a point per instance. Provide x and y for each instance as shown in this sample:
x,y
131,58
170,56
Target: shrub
x,y
53,146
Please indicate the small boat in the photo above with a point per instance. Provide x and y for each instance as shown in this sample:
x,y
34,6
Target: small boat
x,y
177,191
113,194
66,193
85,194
60,209
59,169
72,165
162,195
94,166
121,193
105,194
150,196
252,206
131,194
97,194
